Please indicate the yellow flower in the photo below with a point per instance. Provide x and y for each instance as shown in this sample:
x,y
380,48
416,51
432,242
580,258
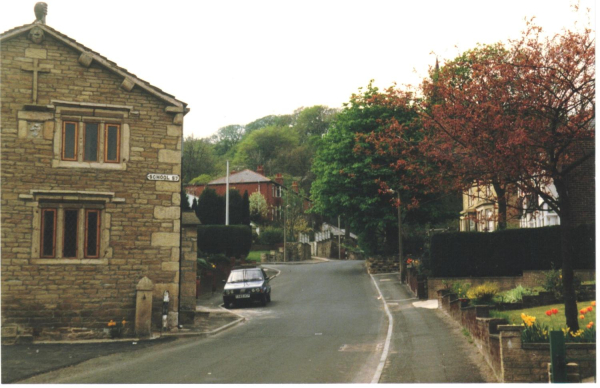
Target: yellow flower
x,y
112,323
528,320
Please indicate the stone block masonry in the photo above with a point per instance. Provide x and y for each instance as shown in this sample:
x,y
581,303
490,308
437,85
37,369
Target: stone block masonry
x,y
511,360
48,194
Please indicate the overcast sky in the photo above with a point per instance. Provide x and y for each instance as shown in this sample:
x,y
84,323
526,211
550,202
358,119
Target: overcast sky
x,y
235,61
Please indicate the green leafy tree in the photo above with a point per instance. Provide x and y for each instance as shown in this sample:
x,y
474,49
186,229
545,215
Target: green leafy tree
x,y
269,121
198,157
227,138
210,208
264,147
258,207
201,179
245,208
235,207
347,183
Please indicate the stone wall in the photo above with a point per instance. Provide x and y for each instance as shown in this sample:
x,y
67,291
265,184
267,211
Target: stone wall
x,y
382,265
139,218
502,348
327,249
189,266
529,279
294,252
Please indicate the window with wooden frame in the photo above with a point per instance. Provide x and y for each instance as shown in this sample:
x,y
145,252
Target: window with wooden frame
x,y
100,141
90,142
92,233
48,240
71,231
112,143
70,139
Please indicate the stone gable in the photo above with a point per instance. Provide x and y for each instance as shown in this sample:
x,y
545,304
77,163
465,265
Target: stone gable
x,y
112,226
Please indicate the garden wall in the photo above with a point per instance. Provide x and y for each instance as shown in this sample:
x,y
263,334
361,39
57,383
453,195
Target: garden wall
x,y
381,264
529,279
502,348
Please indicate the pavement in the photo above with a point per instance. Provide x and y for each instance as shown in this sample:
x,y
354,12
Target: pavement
x,y
21,361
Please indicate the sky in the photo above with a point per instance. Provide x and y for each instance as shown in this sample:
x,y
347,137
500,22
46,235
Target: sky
x,y
233,62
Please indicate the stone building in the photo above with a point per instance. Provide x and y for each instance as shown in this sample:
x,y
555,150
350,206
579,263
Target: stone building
x,y
91,159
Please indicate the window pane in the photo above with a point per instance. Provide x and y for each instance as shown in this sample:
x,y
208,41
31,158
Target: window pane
x,y
91,233
90,151
70,141
112,143
48,232
70,230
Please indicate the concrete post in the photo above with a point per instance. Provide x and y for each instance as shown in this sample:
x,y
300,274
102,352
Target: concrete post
x,y
143,308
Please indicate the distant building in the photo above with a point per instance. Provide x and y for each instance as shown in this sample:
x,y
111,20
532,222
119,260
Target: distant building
x,y
248,180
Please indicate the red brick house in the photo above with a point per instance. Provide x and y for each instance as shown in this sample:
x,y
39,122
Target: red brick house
x,y
248,180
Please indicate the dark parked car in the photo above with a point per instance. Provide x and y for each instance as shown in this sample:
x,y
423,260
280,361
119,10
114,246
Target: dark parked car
x,y
248,284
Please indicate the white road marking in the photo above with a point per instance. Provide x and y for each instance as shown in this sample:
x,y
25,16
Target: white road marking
x,y
388,340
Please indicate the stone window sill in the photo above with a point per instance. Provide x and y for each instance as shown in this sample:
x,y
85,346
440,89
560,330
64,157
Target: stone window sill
x,y
69,261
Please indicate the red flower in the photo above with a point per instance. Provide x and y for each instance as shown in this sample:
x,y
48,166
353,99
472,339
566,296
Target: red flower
x,y
590,308
549,312
554,311
583,311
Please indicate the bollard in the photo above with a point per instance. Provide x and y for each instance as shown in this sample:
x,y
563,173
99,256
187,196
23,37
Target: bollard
x,y
558,357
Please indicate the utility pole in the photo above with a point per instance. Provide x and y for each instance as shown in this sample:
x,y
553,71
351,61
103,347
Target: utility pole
x,y
227,196
339,240
402,265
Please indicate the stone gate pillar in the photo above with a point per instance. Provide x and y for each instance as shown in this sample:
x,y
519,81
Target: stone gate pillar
x,y
143,308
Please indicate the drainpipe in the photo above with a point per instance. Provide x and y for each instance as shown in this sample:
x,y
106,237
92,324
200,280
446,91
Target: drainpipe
x,y
180,226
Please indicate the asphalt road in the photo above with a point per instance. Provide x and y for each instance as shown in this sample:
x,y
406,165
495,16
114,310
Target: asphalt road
x,y
325,324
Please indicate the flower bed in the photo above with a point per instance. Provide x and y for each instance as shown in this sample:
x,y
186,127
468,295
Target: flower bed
x,y
503,347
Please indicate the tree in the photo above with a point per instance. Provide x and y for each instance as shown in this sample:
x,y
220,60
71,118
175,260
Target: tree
x,y
312,123
210,208
245,208
269,121
525,117
235,207
264,147
227,138
198,158
258,207
348,174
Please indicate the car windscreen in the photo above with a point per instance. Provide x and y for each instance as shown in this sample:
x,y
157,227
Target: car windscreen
x,y
247,275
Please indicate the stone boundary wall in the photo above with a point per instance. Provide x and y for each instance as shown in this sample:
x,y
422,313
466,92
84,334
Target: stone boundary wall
x,y
295,252
501,345
529,279
377,265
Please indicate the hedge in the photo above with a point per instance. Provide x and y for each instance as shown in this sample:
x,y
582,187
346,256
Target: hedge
x,y
231,240
508,252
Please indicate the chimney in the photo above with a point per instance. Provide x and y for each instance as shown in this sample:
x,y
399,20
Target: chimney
x,y
295,186
279,179
259,170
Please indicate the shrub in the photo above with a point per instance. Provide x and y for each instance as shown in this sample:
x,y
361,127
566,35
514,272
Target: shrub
x,y
231,240
483,293
460,289
507,252
516,294
271,236
553,283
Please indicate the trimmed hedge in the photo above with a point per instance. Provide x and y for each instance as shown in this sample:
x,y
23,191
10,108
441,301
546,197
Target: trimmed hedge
x,y
231,240
508,252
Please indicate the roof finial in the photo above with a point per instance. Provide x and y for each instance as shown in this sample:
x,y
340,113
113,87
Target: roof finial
x,y
41,10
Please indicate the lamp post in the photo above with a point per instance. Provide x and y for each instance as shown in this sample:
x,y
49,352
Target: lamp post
x,y
402,265
285,210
